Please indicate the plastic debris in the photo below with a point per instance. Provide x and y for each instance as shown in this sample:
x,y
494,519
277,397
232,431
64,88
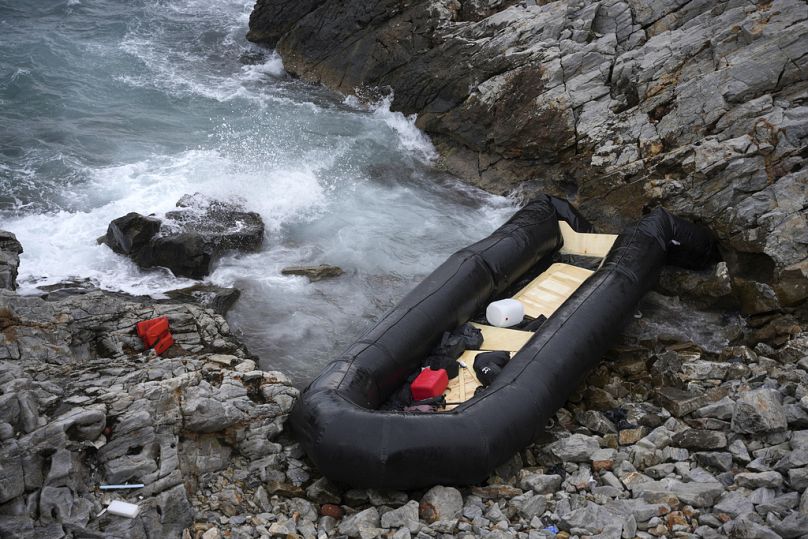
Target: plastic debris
x,y
123,509
116,487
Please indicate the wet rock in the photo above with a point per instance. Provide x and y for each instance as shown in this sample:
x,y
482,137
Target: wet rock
x,y
441,503
759,411
10,250
190,238
314,273
131,234
217,298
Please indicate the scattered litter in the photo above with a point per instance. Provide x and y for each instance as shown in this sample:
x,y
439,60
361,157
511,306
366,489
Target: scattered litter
x,y
551,528
123,509
116,487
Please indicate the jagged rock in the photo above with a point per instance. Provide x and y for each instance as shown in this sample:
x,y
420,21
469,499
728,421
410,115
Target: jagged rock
x,y
756,480
189,239
592,518
314,273
700,439
441,503
404,516
129,417
353,525
10,250
695,494
760,410
575,448
734,504
682,402
748,526
794,525
218,298
620,101
539,483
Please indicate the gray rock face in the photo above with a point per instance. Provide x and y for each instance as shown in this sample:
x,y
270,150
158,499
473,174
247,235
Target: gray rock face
x,y
10,250
760,410
698,105
189,239
84,404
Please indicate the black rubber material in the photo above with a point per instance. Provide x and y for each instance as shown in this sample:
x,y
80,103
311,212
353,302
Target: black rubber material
x,y
336,420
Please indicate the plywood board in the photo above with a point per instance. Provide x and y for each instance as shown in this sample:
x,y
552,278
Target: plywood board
x,y
549,290
580,243
462,388
495,338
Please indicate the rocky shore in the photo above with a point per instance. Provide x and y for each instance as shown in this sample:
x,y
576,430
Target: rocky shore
x,y
683,431
694,425
617,105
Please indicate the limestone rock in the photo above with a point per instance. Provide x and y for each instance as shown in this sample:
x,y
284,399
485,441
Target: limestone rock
x,y
760,410
10,250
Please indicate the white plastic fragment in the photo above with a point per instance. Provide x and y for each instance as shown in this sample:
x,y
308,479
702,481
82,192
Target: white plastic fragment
x,y
117,487
123,509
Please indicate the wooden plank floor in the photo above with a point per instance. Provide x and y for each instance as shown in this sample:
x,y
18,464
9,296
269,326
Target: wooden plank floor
x,y
495,338
580,243
549,290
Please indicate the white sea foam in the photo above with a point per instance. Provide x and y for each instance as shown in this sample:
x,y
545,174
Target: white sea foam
x,y
410,138
62,245
333,185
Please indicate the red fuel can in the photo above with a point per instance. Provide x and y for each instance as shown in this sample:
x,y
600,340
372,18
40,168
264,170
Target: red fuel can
x,y
429,384
155,330
164,344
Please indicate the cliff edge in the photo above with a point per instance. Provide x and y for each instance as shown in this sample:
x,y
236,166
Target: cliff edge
x,y
619,105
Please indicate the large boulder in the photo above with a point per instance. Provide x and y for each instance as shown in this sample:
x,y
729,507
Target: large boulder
x,y
10,250
188,240
620,105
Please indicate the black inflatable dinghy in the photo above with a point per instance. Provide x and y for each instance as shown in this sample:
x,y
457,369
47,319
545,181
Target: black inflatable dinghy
x,y
337,418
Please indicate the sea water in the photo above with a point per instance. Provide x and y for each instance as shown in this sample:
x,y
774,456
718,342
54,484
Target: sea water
x,y
108,107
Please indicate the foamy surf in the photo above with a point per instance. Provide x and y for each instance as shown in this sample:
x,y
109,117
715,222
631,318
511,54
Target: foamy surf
x,y
182,104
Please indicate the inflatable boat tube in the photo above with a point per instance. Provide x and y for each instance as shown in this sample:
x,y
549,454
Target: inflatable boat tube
x,y
337,421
